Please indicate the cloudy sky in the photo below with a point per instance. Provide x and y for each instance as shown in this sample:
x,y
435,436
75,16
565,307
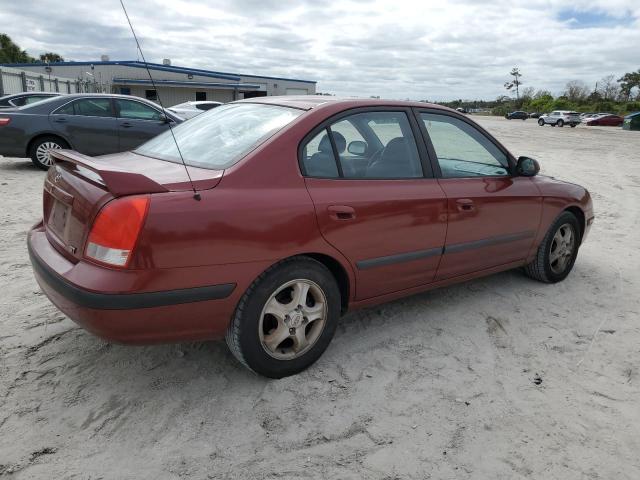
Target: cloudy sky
x,y
436,50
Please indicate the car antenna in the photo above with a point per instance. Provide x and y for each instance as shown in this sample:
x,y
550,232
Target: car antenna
x,y
196,195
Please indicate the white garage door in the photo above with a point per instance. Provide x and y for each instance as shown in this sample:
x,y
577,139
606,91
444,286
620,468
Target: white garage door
x,y
297,91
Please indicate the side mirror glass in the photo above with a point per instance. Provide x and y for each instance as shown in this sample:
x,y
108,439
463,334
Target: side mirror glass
x,y
357,147
527,167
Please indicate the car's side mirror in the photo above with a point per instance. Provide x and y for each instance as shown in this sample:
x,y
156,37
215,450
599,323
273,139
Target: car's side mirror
x,y
357,147
164,119
527,167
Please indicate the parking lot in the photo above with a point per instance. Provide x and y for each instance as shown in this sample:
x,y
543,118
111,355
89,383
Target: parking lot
x,y
498,378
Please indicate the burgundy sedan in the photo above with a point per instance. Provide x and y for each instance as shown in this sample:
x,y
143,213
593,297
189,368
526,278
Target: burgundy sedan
x,y
606,120
304,207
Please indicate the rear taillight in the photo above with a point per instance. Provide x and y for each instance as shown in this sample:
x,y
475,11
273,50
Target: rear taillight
x,y
116,229
4,121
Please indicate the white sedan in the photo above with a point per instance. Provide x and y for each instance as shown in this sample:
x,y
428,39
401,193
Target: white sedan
x,y
188,110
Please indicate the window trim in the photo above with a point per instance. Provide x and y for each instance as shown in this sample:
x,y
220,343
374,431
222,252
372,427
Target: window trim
x,y
435,165
423,153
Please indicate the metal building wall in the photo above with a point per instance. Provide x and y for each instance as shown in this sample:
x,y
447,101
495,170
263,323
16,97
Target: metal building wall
x,y
172,96
13,80
104,74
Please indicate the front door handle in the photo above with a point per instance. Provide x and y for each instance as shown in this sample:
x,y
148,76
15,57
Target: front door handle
x,y
126,125
341,212
465,205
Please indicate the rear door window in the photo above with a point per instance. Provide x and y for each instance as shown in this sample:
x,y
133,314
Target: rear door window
x,y
92,107
65,109
318,157
369,145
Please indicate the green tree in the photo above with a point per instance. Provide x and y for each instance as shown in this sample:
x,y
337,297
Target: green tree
x,y
628,82
50,57
12,53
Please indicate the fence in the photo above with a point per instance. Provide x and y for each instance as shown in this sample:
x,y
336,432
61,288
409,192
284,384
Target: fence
x,y
13,80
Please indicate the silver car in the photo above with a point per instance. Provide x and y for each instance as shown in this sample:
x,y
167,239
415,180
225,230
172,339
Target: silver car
x,y
188,110
560,118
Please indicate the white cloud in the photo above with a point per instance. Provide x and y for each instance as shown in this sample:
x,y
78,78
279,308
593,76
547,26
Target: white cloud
x,y
423,49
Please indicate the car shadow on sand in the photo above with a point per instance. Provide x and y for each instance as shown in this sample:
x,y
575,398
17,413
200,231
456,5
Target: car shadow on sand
x,y
18,165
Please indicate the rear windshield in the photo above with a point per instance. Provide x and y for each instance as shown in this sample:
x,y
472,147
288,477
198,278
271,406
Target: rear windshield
x,y
220,137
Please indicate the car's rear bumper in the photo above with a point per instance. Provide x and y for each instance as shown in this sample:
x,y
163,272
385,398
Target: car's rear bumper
x,y
184,314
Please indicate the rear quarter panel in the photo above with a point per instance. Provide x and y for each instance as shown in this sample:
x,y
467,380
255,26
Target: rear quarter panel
x,y
15,137
258,214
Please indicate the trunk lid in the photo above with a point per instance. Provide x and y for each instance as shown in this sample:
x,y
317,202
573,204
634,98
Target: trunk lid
x,y
77,187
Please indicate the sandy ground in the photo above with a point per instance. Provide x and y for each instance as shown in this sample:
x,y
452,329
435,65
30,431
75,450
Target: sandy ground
x,y
499,378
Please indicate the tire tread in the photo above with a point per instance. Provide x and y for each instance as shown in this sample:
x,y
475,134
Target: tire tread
x,y
234,329
536,269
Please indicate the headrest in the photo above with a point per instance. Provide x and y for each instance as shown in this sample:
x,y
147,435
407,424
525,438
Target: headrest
x,y
325,143
396,150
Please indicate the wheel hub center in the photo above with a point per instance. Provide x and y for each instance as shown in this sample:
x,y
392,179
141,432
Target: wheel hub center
x,y
295,319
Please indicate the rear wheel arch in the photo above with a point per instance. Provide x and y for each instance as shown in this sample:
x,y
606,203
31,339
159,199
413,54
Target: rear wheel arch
x,y
339,273
43,135
335,267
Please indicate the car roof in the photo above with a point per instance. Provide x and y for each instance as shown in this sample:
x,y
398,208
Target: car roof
x,y
308,102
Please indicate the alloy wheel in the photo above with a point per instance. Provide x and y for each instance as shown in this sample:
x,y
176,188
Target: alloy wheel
x,y
292,319
562,248
42,152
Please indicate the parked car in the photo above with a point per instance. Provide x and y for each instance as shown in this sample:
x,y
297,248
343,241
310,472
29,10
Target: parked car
x,y
605,120
632,121
462,110
560,118
306,207
95,124
26,98
193,109
518,115
535,115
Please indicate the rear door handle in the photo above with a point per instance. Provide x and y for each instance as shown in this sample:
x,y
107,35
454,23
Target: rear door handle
x,y
60,120
341,212
465,205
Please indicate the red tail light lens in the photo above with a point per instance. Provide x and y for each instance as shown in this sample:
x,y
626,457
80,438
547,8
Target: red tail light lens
x,y
116,229
4,121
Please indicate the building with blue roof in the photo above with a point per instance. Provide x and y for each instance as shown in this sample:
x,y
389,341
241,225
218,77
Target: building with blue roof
x,y
174,84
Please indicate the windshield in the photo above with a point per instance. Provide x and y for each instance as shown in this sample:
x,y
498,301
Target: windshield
x,y
220,137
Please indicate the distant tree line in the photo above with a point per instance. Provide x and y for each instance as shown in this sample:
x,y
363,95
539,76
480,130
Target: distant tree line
x,y
12,53
612,95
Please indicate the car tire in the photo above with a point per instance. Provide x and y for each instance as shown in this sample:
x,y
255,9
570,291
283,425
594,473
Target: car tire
x,y
557,253
38,148
541,122
560,123
252,335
